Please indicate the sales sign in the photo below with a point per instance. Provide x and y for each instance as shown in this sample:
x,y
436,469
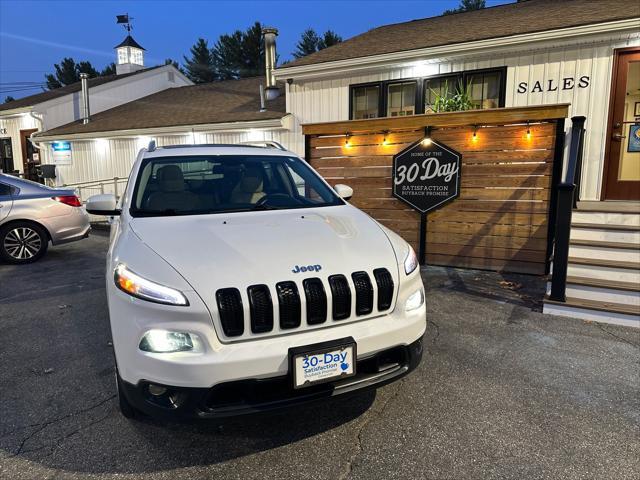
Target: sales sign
x,y
62,153
426,175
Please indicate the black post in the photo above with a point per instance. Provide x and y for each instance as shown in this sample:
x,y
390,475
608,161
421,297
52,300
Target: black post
x,y
561,250
565,205
422,253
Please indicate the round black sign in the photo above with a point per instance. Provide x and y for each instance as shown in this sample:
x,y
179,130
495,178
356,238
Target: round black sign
x,y
426,175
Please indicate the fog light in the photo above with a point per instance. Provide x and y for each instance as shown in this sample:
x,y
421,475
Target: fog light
x,y
164,341
415,300
156,390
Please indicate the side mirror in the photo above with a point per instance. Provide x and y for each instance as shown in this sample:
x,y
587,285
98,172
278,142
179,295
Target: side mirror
x,y
102,205
344,191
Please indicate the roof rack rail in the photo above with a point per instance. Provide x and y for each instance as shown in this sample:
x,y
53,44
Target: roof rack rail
x,y
152,146
264,144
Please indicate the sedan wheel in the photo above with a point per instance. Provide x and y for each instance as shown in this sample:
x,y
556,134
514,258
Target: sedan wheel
x,y
22,243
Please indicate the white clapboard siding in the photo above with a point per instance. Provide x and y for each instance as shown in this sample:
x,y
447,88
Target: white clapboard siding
x,y
325,100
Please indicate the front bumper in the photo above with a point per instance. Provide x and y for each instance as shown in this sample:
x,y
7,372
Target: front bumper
x,y
251,396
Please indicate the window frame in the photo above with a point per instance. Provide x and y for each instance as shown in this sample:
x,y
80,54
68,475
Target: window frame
x,y
463,75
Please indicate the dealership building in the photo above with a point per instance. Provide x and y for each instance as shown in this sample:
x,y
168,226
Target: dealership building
x,y
525,55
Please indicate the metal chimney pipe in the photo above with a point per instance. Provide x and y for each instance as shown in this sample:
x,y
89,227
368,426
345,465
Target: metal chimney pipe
x,y
269,34
85,98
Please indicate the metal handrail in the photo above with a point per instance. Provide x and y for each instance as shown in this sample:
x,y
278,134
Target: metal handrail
x,y
98,184
566,202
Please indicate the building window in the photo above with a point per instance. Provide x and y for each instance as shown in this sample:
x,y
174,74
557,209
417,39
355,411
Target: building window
x,y
136,56
122,56
401,99
365,102
438,87
485,88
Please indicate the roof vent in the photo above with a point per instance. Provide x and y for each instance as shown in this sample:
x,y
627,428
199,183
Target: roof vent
x,y
84,83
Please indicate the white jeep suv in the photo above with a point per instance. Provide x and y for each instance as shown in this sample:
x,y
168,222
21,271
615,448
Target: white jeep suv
x,y
239,281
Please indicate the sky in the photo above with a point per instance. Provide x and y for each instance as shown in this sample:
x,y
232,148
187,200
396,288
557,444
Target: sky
x,y
36,34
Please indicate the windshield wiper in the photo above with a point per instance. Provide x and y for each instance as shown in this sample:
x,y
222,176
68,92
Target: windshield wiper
x,y
265,207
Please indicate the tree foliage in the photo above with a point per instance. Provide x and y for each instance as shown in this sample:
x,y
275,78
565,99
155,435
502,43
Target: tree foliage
x,y
311,42
239,54
199,66
466,6
8,99
68,71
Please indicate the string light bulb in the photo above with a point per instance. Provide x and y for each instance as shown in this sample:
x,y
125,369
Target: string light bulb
x,y
426,141
474,137
385,140
347,141
528,131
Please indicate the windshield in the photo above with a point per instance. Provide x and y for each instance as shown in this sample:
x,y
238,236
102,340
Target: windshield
x,y
193,185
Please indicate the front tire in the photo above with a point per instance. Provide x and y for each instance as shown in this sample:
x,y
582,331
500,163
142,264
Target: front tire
x,y
23,242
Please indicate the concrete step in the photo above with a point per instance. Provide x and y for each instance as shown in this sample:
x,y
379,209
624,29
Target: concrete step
x,y
609,270
605,218
602,291
595,311
622,206
623,234
603,253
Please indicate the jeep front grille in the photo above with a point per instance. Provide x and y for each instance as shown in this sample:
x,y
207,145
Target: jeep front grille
x,y
364,293
289,301
384,281
316,301
304,305
261,308
341,294
231,313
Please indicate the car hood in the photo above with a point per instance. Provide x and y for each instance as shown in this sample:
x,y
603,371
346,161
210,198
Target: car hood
x,y
242,249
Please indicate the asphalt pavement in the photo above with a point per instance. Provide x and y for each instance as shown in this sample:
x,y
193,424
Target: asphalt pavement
x,y
502,392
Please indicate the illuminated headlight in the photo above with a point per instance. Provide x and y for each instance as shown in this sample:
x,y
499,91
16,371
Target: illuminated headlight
x,y
410,261
139,287
415,300
164,341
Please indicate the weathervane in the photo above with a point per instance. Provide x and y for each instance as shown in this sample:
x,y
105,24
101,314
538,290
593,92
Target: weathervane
x,y
125,21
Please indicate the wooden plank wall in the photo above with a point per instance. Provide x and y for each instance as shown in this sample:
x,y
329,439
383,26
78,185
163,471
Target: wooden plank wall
x,y
500,220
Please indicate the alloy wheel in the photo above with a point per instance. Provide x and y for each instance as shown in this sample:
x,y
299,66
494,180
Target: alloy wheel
x,y
22,243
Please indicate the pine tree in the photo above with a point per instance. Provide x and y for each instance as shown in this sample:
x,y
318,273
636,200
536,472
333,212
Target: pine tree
x,y
200,67
110,69
8,99
239,54
307,44
466,6
329,39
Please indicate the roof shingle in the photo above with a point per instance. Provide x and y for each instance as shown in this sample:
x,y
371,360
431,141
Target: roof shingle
x,y
209,103
500,21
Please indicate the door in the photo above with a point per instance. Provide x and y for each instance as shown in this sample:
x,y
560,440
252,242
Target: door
x,y
6,201
30,157
622,160
6,155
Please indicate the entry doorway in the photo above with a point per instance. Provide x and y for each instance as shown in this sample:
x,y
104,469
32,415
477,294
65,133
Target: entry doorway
x,y
622,157
30,157
6,155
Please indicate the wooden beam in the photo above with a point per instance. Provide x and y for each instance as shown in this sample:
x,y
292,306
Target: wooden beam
x,y
493,116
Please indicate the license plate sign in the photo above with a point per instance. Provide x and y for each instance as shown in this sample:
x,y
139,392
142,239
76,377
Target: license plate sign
x,y
326,365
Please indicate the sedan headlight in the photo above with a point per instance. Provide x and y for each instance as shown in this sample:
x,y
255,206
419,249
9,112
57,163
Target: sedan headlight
x,y
139,287
410,261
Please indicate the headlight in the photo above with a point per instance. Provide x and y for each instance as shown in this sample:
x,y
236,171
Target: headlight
x,y
164,341
415,300
411,261
139,287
